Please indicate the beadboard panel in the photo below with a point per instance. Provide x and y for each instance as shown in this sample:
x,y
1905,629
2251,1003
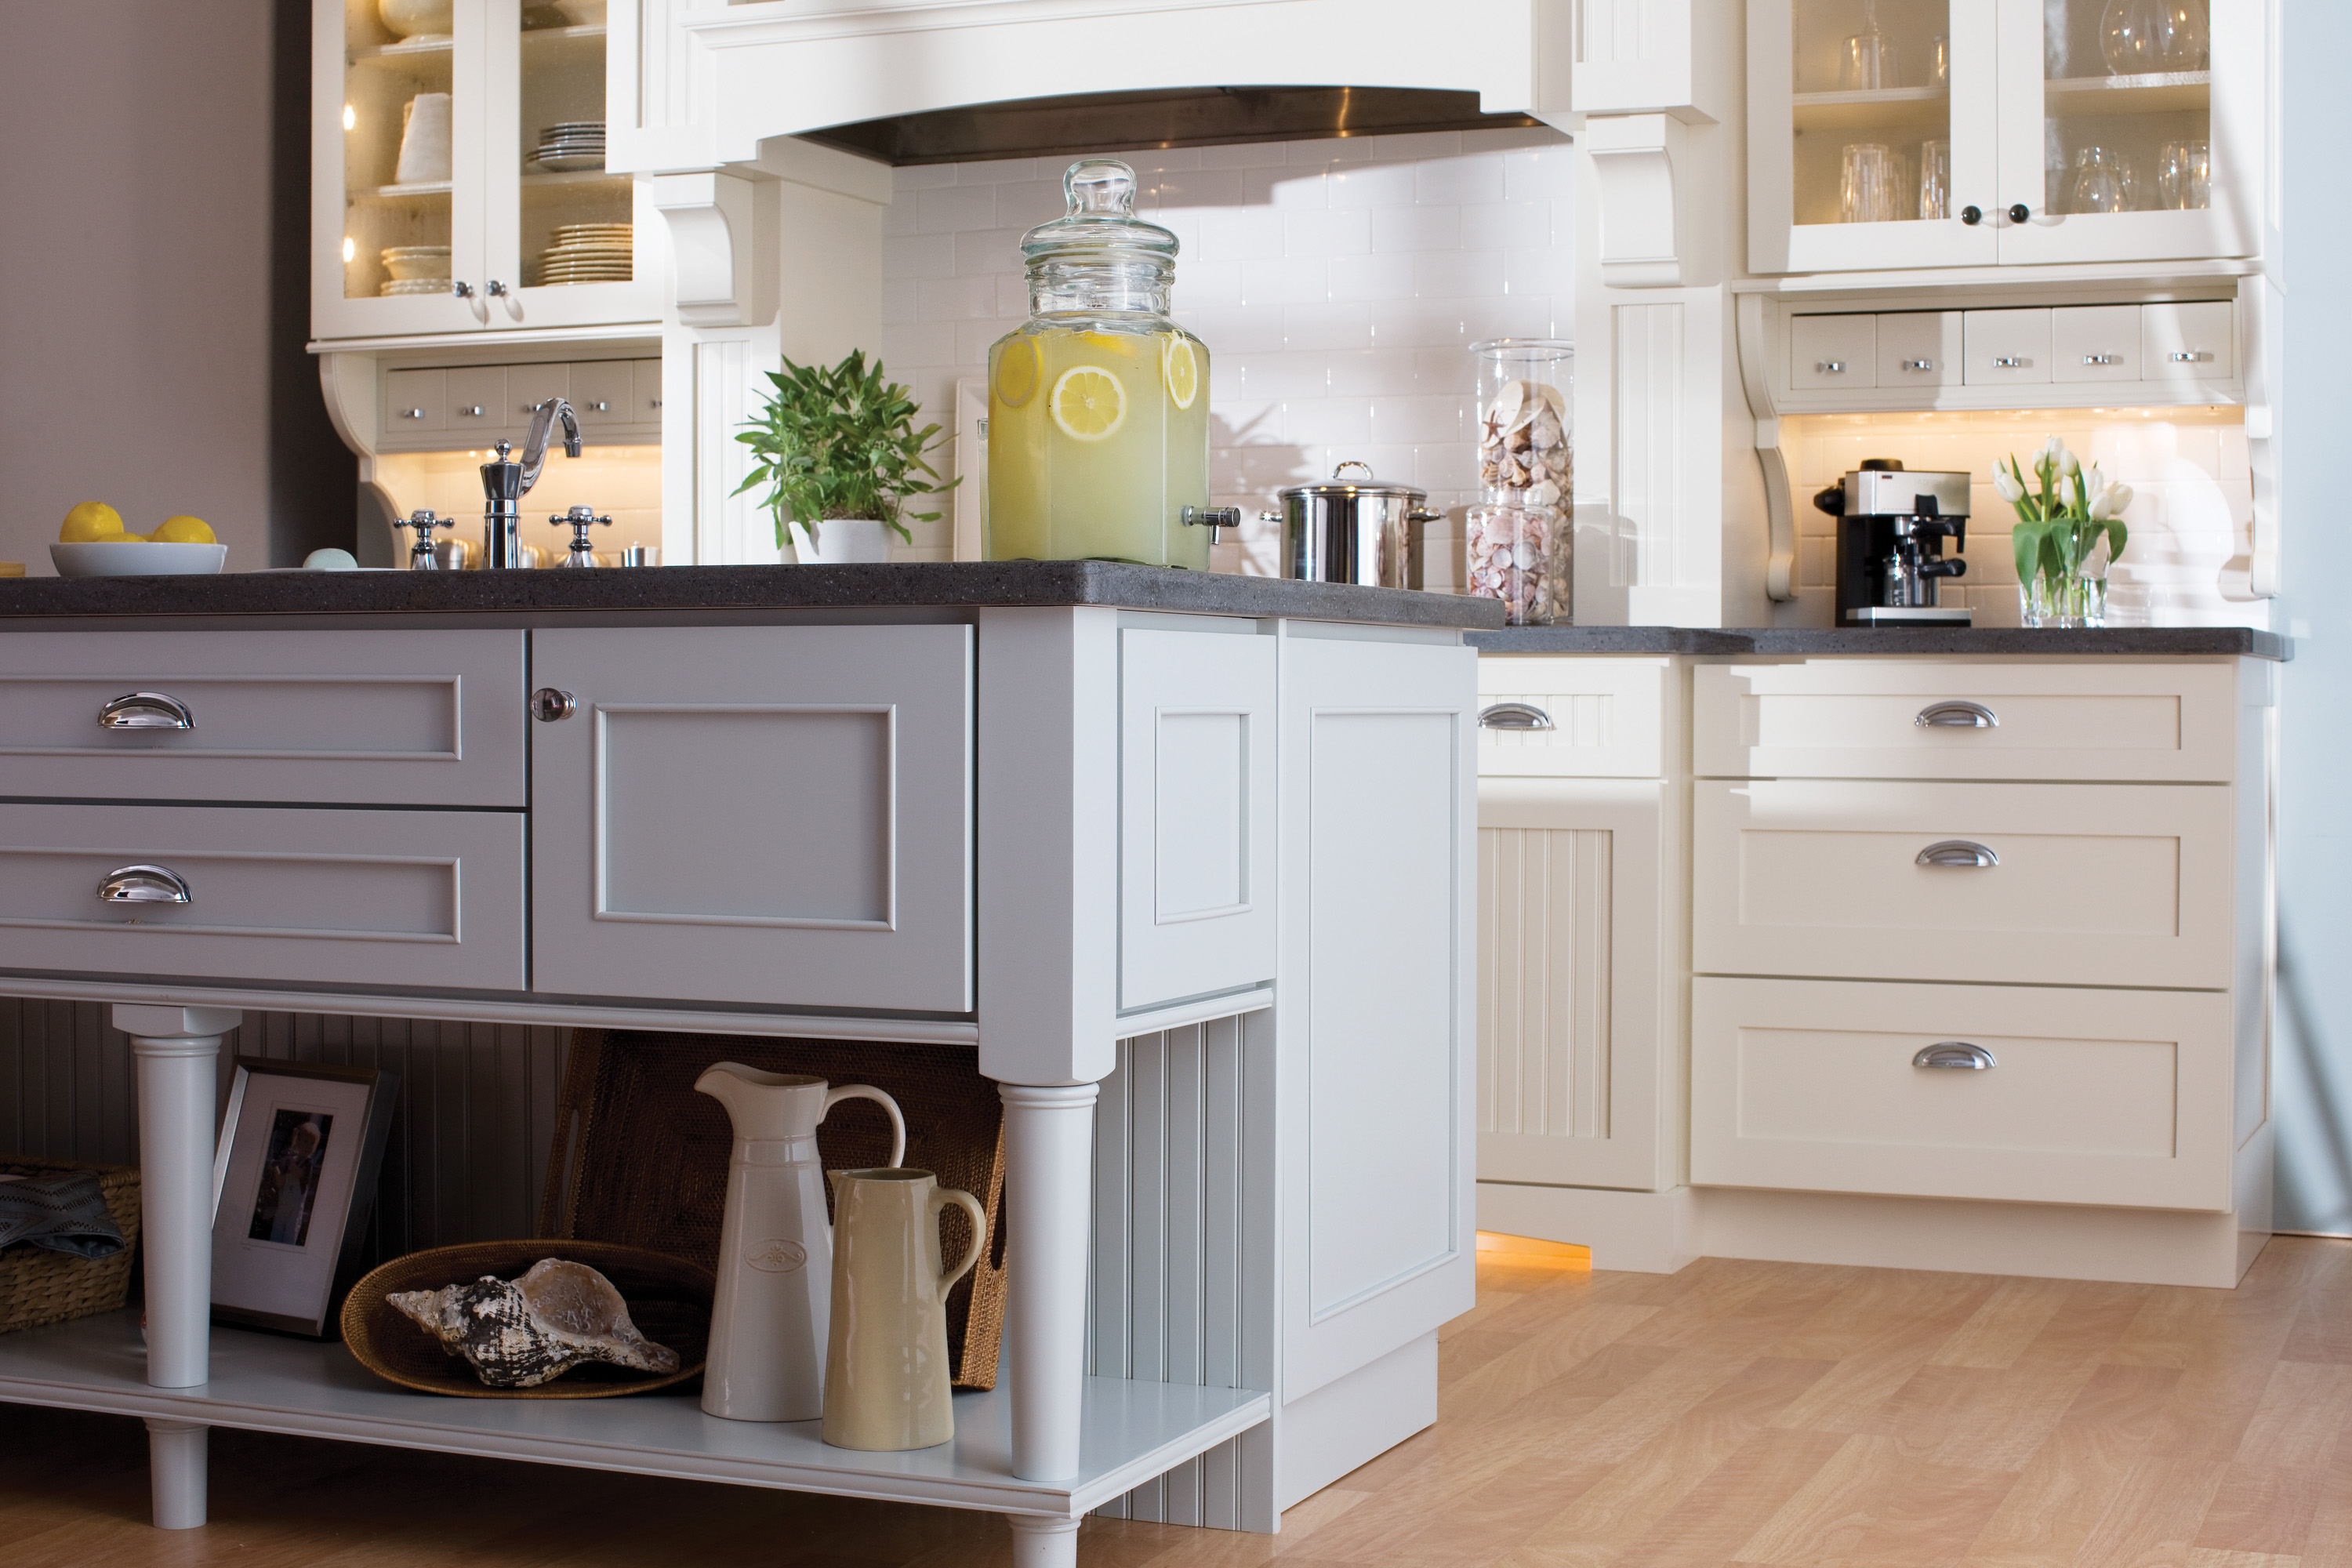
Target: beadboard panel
x,y
1543,982
1175,1293
469,1138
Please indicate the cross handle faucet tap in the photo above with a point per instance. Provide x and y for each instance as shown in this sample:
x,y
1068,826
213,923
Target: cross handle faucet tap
x,y
581,519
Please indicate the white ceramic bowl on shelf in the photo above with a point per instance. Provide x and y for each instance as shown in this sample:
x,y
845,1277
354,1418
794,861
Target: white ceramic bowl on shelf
x,y
134,558
418,18
581,13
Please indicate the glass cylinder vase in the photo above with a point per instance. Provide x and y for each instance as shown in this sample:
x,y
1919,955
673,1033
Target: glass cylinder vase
x,y
1517,539
2063,603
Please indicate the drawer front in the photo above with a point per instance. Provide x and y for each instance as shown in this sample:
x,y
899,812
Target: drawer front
x,y
1606,716
529,386
2028,883
602,394
1832,354
415,400
1919,349
646,387
762,815
284,894
2093,1097
2171,722
478,402
2189,342
2094,343
1196,814
2006,348
408,717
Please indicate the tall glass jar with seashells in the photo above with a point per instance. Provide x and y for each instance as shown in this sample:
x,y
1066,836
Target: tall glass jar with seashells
x,y
1099,405
1516,540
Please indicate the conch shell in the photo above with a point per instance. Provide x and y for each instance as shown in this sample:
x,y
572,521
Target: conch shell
x,y
524,1332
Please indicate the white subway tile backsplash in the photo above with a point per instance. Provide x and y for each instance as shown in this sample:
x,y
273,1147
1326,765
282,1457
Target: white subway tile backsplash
x,y
1337,284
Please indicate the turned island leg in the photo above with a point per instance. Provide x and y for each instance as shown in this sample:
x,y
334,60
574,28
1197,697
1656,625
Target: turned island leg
x,y
178,1051
1048,1191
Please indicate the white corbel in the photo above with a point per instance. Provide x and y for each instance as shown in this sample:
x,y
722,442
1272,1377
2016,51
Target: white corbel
x,y
1752,323
718,226
1633,158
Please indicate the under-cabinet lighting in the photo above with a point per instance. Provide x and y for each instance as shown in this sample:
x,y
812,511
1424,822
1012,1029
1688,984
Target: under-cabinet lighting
x,y
350,117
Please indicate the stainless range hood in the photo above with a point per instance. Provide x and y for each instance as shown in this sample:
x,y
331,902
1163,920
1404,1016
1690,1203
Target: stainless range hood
x,y
1178,117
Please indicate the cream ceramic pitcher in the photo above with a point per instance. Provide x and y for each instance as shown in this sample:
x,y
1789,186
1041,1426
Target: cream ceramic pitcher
x,y
886,1366
775,1249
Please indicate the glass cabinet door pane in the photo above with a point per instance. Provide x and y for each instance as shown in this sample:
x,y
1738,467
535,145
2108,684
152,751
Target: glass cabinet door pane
x,y
397,152
1872,115
2126,105
573,219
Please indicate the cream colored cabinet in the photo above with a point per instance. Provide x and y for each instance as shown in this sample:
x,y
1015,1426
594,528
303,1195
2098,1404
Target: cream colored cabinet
x,y
424,166
435,409
1579,970
1918,134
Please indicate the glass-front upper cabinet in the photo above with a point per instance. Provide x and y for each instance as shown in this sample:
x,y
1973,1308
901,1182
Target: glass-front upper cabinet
x,y
458,178
1907,133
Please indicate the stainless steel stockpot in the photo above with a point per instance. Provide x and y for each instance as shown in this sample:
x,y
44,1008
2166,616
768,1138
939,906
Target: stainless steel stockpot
x,y
1353,531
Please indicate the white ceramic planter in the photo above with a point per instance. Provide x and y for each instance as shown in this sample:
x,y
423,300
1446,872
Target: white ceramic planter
x,y
842,542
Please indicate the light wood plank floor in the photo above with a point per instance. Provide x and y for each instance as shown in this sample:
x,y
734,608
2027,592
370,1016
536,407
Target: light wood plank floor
x,y
1736,1413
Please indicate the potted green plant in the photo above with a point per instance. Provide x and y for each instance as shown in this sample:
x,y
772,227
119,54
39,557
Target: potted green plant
x,y
2061,522
840,455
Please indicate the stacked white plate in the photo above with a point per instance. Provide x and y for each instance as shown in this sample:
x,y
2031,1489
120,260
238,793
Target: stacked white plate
x,y
400,286
587,253
573,144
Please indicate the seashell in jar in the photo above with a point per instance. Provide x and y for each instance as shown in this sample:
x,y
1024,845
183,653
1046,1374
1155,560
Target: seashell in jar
x,y
1547,430
1504,412
1543,493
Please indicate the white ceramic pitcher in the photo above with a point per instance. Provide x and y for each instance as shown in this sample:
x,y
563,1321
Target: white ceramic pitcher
x,y
775,1246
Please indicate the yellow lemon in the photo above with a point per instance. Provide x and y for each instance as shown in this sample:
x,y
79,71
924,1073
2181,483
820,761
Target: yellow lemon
x,y
89,522
1119,345
1182,369
1088,403
1016,373
184,530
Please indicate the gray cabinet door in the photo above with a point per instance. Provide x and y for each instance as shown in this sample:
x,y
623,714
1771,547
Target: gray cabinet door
x,y
776,815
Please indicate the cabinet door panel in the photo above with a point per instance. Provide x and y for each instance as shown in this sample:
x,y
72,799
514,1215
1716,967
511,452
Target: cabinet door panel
x,y
762,815
2090,1097
1196,814
1571,1046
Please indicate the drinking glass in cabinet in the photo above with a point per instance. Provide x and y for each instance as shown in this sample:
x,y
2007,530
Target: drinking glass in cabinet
x,y
2184,176
1935,180
1871,97
2127,81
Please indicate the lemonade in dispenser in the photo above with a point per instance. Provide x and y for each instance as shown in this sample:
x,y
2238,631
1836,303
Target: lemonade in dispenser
x,y
1099,405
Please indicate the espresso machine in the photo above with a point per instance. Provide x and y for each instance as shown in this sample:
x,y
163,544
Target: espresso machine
x,y
1892,525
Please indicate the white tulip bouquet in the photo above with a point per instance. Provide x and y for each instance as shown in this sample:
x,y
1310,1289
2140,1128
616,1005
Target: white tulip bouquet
x,y
2061,521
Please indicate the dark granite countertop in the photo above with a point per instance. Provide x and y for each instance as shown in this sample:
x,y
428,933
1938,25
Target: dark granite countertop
x,y
2181,642
935,586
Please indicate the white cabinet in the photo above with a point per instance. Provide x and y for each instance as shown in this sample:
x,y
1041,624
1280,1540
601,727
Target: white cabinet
x,y
2058,148
1196,814
485,91
435,409
756,814
2005,347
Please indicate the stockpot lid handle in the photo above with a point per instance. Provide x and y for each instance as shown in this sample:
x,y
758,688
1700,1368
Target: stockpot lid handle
x,y
1351,463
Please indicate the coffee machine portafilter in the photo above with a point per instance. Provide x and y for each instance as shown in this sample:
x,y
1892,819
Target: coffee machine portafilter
x,y
1892,525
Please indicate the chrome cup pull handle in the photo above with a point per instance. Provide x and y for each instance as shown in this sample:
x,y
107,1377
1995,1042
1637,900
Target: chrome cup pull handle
x,y
1957,1053
146,711
1962,852
1956,716
144,885
1515,716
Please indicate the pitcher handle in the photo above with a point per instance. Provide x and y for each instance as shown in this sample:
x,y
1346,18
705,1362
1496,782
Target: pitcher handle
x,y
940,1199
868,1091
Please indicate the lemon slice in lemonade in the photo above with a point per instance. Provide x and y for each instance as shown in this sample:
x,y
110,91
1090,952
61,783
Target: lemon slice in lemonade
x,y
1182,368
1016,373
1088,403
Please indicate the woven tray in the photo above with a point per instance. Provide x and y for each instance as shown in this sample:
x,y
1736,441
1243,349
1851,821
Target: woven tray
x,y
640,1158
668,1298
39,1286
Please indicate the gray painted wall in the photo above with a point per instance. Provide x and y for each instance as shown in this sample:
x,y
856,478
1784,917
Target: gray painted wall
x,y
2312,1088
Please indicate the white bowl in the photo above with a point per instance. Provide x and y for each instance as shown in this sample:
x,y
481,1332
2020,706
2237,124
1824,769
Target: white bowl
x,y
582,13
407,269
131,558
418,18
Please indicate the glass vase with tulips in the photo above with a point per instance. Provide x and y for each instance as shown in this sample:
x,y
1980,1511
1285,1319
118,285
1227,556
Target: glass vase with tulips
x,y
2063,519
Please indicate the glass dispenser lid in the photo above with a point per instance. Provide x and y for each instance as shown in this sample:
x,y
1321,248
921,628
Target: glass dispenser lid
x,y
1101,222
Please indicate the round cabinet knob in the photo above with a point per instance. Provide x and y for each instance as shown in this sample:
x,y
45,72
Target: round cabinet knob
x,y
2020,213
547,705
1972,215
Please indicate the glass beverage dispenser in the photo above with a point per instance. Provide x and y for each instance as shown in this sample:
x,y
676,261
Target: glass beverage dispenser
x,y
1099,405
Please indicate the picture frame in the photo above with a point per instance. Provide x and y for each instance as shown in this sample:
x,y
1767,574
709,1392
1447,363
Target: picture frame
x,y
294,1176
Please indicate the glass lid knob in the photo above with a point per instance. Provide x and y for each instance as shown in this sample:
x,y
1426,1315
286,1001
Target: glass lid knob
x,y
1099,187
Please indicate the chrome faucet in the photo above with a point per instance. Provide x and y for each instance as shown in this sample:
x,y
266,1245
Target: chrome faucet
x,y
506,481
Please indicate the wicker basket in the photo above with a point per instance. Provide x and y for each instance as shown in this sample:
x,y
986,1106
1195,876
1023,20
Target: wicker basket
x,y
39,1286
639,1157
669,1301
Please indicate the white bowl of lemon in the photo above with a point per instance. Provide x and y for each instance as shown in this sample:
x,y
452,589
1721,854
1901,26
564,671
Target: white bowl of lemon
x,y
94,543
